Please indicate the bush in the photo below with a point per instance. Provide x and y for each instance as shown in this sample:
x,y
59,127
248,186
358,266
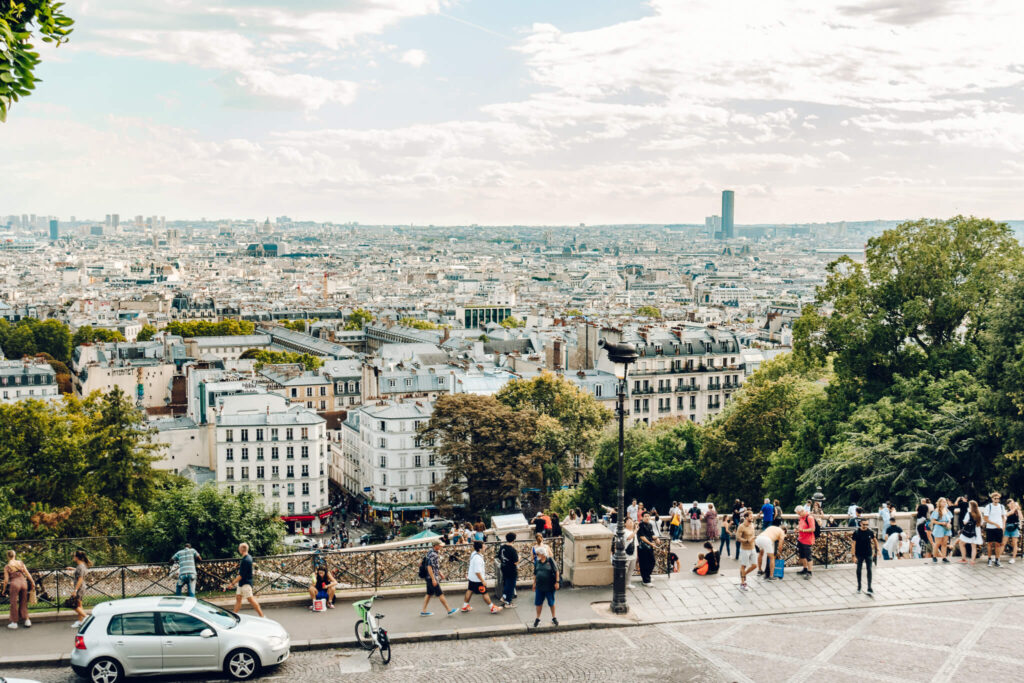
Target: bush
x,y
409,530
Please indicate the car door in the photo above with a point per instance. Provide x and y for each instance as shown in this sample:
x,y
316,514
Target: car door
x,y
184,647
136,642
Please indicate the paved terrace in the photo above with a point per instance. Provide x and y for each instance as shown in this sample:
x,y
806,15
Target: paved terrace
x,y
940,590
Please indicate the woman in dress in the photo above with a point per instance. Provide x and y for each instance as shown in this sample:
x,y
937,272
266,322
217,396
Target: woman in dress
x,y
970,533
711,523
942,528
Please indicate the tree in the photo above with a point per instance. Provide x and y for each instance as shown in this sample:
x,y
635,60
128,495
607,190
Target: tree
x,y
121,453
418,324
648,312
18,60
213,520
918,303
54,338
20,342
298,325
358,318
146,333
491,451
86,334
512,322
264,357
205,328
572,313
577,419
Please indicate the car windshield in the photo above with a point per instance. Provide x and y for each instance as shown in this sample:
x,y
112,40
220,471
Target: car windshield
x,y
211,612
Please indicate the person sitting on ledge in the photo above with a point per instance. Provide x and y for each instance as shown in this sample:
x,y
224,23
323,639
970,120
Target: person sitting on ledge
x,y
707,561
322,587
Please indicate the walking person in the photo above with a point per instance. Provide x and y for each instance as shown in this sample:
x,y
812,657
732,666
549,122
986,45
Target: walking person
x,y
17,583
921,523
186,560
994,515
725,535
942,528
970,533
805,540
242,583
711,523
509,558
676,523
477,580
777,519
694,514
1012,527
631,511
81,570
545,583
767,514
745,536
645,549
766,543
865,549
431,566
629,547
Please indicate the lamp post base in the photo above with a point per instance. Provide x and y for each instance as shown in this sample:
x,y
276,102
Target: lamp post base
x,y
619,605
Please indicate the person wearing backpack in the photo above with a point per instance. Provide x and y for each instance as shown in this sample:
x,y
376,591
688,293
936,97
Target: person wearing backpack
x,y
430,570
970,533
995,522
509,558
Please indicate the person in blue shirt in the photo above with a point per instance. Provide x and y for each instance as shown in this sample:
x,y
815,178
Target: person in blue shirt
x,y
186,560
767,513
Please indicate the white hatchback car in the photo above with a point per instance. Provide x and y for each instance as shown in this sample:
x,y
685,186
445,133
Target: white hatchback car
x,y
159,635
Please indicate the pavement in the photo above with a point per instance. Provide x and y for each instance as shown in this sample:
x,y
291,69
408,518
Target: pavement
x,y
680,598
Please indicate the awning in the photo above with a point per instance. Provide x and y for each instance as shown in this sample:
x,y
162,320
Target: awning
x,y
325,513
297,518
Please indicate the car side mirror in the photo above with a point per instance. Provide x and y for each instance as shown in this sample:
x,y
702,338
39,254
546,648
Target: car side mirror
x,y
207,633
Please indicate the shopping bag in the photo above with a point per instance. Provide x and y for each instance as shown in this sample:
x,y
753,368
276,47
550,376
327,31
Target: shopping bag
x,y
780,569
319,605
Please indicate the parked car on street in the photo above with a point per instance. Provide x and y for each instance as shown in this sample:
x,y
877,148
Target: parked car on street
x,y
165,635
299,543
438,524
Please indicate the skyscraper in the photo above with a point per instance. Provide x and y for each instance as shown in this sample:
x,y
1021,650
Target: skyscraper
x,y
54,230
728,229
713,225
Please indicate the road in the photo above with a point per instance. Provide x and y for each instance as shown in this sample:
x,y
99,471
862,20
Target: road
x,y
921,642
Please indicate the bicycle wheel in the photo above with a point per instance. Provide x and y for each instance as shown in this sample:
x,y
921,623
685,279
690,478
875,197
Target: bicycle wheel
x,y
385,645
363,636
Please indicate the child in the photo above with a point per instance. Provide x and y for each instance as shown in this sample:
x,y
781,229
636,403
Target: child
x,y
707,562
915,544
673,562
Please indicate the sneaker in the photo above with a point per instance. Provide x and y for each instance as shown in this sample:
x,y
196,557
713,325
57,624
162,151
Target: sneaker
x,y
536,623
12,625
744,587
997,564
802,572
76,624
858,589
466,608
990,562
808,575
1013,560
452,611
648,584
554,622
495,609
28,623
871,593
945,560
426,614
935,560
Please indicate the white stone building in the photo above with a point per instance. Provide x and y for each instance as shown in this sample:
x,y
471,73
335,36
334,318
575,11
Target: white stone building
x,y
20,380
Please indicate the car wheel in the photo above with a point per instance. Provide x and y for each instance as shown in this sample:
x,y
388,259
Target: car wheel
x,y
241,665
105,670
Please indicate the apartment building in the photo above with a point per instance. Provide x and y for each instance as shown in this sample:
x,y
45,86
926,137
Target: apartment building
x,y
300,386
20,380
279,451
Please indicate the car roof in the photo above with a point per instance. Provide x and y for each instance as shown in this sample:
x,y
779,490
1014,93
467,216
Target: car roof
x,y
147,602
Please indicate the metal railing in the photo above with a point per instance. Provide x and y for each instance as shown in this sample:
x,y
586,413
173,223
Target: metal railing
x,y
353,568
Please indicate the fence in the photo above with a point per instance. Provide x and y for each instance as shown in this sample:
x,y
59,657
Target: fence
x,y
832,546
58,552
363,568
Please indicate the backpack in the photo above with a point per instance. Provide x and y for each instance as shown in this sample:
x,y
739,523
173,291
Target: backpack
x,y
424,574
507,567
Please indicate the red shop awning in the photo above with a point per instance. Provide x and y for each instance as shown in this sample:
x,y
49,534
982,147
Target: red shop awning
x,y
326,513
297,518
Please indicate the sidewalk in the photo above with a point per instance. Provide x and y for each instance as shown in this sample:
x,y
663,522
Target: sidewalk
x,y
682,598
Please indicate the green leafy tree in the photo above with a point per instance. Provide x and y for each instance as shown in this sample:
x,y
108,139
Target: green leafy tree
x,y
298,325
18,59
572,313
512,322
264,358
54,338
213,520
358,319
418,324
205,328
146,333
576,424
20,342
87,334
648,312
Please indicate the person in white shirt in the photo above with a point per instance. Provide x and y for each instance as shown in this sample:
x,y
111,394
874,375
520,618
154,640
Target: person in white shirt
x,y
851,512
631,511
883,517
892,546
994,515
476,578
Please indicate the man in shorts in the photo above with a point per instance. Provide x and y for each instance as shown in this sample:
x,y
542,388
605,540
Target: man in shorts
x,y
476,578
243,582
765,543
745,540
434,579
994,515
805,539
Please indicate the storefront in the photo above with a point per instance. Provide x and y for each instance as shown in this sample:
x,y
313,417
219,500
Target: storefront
x,y
308,524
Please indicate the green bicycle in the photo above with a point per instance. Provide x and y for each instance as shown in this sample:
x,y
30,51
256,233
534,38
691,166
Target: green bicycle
x,y
369,635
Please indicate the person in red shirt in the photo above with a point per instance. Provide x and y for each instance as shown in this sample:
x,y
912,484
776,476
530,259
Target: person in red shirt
x,y
805,539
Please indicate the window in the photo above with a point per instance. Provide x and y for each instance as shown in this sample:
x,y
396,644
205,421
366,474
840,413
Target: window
x,y
417,461
137,624
693,403
440,380
305,432
382,426
259,453
229,435
275,490
289,434
433,477
262,489
291,491
229,473
431,495
430,459
597,390
231,490
383,442
245,454
259,472
273,453
383,478
384,461
305,506
391,384
305,470
309,391
291,508
290,452
259,435
305,489
636,405
245,435
291,471
416,425
323,405
245,473
177,624
647,405
295,392
305,451
323,391
274,471
229,454
273,433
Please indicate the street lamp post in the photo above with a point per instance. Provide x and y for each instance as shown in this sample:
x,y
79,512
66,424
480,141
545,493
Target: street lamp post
x,y
621,355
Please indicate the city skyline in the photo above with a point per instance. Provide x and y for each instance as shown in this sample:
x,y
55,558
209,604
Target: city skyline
x,y
469,112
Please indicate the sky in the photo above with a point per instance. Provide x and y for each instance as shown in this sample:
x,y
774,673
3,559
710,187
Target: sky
x,y
525,111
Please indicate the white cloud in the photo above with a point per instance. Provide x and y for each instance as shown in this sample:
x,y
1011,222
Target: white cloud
x,y
414,58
